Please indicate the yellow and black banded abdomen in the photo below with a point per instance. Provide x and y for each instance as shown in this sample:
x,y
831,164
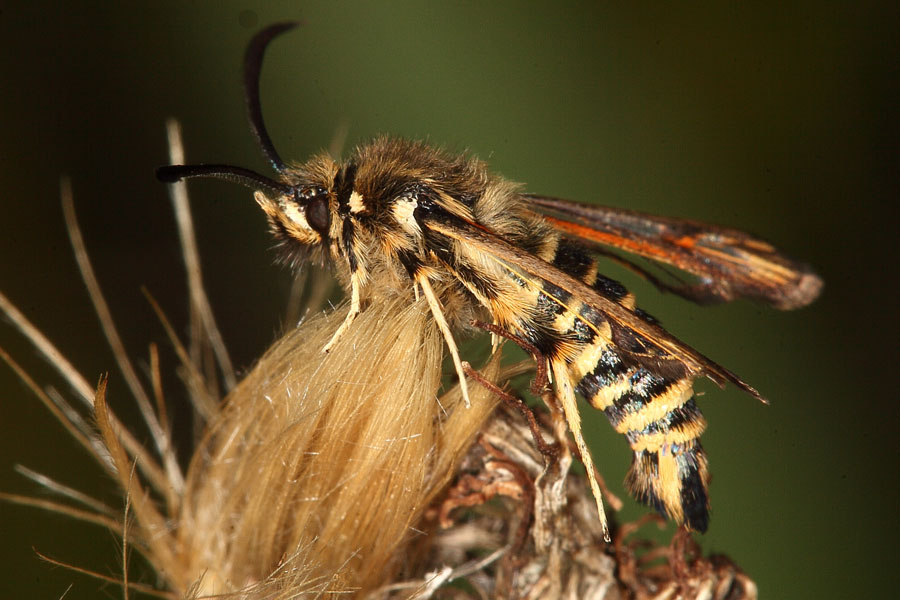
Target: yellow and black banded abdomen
x,y
663,425
655,412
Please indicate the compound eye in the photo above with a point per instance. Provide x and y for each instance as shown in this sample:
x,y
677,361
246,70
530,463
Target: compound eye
x,y
317,214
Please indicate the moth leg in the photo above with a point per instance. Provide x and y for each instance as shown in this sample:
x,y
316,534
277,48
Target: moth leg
x,y
541,376
438,311
566,394
517,404
355,286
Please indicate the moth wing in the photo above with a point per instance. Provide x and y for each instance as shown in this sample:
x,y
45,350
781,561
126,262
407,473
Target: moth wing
x,y
635,337
728,263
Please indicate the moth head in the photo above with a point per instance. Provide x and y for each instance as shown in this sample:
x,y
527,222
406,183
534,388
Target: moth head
x,y
302,217
298,209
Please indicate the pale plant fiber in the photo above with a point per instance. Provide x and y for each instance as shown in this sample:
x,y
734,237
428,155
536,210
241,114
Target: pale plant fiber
x,y
326,461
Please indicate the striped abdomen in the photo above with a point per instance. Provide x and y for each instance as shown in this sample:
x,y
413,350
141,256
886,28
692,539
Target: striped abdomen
x,y
650,404
663,426
657,413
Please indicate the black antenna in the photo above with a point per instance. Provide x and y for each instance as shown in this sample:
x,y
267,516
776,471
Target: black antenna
x,y
251,179
252,66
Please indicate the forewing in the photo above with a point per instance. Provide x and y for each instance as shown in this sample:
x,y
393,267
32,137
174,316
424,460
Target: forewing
x,y
629,329
729,264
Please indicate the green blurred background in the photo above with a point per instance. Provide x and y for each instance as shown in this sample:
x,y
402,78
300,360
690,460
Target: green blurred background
x,y
781,120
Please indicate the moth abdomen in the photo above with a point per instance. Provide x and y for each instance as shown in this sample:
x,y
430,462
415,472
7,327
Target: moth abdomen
x,y
674,482
656,413
663,425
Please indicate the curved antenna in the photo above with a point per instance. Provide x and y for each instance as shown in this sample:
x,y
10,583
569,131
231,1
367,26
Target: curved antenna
x,y
251,179
252,66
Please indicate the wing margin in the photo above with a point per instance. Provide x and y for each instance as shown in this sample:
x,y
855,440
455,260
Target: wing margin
x,y
728,263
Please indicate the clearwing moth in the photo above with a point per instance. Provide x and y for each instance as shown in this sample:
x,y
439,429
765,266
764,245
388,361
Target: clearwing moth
x,y
407,219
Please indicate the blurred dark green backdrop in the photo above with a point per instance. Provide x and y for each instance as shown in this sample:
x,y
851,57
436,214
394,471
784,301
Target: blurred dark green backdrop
x,y
780,120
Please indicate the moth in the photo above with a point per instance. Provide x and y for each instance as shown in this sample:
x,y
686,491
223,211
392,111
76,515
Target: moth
x,y
408,219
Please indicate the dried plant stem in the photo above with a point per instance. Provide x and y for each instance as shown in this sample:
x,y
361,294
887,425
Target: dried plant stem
x,y
203,325
56,487
144,589
152,523
202,399
48,351
85,438
86,516
160,439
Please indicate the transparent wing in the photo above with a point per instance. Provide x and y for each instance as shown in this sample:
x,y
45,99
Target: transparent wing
x,y
727,263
